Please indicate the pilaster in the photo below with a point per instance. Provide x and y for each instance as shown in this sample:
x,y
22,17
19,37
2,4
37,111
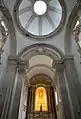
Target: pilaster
x,y
17,95
6,86
64,92
73,85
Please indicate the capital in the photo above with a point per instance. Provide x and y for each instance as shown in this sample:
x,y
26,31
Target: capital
x,y
58,65
22,66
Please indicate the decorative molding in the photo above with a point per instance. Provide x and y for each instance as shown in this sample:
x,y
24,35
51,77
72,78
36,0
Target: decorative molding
x,y
13,60
60,64
46,49
68,57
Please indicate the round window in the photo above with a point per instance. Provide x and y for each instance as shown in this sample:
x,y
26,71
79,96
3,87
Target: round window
x,y
40,7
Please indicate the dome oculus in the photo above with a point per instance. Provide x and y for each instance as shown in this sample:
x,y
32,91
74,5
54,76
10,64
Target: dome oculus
x,y
40,7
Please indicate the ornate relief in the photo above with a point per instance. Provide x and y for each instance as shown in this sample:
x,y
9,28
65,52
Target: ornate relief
x,y
4,29
77,33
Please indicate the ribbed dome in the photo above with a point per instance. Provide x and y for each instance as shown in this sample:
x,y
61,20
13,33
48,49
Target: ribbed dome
x,y
39,26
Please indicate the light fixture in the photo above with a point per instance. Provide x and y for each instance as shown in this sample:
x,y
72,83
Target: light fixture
x,y
40,7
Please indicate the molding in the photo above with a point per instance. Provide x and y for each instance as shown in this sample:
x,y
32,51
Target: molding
x,y
13,60
21,65
68,57
51,50
60,64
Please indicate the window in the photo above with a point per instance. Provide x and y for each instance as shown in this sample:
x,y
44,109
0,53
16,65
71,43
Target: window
x,y
41,99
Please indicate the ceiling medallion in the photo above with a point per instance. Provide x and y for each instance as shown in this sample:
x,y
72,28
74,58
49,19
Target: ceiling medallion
x,y
39,18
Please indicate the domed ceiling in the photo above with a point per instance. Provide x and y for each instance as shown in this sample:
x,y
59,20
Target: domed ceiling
x,y
38,18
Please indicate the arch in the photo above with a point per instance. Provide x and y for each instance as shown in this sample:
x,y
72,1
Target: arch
x,y
41,79
70,25
11,28
52,51
40,70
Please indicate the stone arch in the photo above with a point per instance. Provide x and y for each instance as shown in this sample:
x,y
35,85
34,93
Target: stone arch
x,y
31,51
40,69
35,47
70,25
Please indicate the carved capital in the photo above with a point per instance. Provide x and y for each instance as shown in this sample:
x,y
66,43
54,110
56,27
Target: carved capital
x,y
68,57
58,65
22,66
13,60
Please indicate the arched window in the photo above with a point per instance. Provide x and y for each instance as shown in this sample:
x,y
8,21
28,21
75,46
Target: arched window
x,y
41,99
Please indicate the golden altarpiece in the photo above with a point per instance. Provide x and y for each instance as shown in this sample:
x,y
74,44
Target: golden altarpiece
x,y
41,99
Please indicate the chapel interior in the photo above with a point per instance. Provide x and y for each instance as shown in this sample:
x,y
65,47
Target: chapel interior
x,y
40,59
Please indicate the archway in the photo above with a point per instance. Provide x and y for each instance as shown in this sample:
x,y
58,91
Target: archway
x,y
40,60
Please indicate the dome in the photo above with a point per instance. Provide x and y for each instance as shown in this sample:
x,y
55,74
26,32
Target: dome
x,y
39,18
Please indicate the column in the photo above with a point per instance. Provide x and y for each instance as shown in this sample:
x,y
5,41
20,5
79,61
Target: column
x,y
74,85
67,112
6,86
17,103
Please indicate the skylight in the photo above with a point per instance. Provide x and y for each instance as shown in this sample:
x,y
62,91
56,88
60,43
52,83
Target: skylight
x,y
40,7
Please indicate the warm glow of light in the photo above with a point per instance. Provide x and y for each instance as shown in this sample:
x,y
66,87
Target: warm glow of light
x,y
41,99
